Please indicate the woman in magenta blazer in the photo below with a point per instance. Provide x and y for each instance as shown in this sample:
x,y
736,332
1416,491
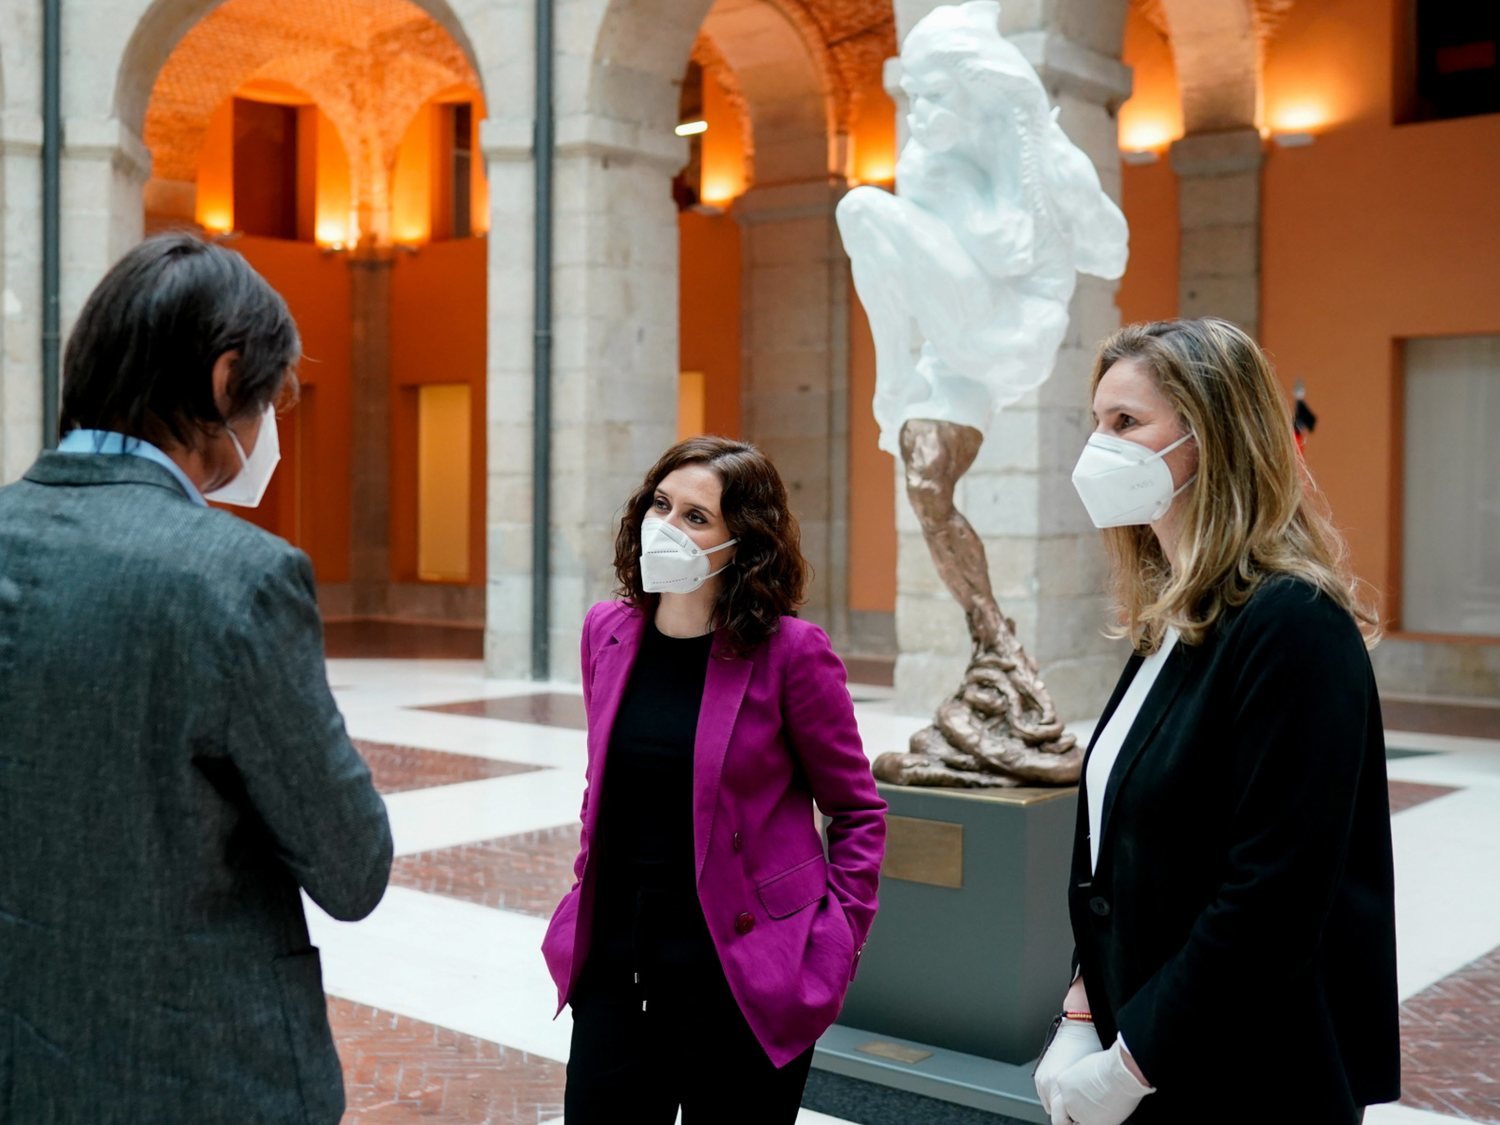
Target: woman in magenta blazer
x,y
709,940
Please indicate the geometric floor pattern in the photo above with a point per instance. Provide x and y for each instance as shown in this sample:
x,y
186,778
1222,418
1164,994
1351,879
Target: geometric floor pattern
x,y
441,1005
527,873
403,1070
1449,1033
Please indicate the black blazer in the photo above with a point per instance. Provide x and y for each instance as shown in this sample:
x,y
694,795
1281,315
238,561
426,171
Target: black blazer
x,y
1240,927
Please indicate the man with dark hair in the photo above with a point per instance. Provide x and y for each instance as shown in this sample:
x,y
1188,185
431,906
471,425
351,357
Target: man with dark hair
x,y
173,767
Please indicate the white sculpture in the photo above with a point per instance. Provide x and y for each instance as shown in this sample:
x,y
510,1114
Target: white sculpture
x,y
996,211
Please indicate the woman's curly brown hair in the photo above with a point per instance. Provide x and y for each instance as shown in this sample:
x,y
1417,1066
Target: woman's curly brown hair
x,y
768,576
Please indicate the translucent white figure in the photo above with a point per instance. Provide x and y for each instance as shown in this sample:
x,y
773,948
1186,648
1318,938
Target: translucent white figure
x,y
995,213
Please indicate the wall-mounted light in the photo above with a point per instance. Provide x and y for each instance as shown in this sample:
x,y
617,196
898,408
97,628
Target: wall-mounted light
x,y
691,128
1139,155
1293,140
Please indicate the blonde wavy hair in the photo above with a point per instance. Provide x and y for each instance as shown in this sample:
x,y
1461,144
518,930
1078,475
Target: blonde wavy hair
x,y
1254,511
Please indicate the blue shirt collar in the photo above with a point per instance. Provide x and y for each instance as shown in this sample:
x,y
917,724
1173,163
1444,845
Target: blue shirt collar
x,y
107,441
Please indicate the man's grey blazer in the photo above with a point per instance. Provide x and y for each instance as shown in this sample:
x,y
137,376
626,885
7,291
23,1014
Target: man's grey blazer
x,y
172,769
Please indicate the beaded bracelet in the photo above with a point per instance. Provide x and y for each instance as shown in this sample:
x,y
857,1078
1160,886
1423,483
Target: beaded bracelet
x,y
1081,1017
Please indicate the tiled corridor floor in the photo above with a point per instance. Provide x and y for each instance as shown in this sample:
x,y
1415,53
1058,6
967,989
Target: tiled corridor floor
x,y
442,1006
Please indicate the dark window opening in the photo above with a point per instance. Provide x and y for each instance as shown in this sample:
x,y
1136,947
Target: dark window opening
x,y
1452,60
265,169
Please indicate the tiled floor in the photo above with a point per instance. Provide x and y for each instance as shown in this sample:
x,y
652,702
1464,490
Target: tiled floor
x,y
443,1009
1450,1034
398,1069
397,769
527,873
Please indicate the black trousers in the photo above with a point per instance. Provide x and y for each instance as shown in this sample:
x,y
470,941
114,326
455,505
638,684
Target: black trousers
x,y
690,1047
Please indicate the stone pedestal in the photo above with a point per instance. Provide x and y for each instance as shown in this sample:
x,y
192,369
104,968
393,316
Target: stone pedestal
x,y
971,949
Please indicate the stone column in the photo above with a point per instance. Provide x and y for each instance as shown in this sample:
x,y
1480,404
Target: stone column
x,y
614,372
507,643
370,437
1046,561
1218,186
795,385
20,293
105,166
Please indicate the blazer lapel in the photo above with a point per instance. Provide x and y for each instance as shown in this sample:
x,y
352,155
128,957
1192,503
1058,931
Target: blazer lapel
x,y
723,692
611,673
1158,702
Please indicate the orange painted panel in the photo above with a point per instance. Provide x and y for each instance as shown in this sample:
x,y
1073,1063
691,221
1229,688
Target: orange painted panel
x,y
438,331
1372,234
314,497
1148,291
709,304
872,488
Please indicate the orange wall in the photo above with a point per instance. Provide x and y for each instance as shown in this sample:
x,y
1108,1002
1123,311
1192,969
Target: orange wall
x,y
722,147
1149,120
709,304
872,476
1152,116
1374,233
309,499
874,138
412,178
438,297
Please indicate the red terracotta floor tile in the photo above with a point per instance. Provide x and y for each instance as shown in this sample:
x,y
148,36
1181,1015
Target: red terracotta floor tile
x,y
398,1070
397,769
547,709
1450,1044
527,873
1409,794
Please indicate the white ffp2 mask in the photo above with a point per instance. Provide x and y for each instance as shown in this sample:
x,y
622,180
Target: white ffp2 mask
x,y
249,484
671,563
1122,483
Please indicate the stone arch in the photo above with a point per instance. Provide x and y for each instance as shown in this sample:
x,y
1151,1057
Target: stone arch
x,y
1216,48
366,67
787,92
639,55
164,23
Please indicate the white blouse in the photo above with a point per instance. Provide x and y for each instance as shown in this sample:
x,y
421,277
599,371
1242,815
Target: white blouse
x,y
1107,748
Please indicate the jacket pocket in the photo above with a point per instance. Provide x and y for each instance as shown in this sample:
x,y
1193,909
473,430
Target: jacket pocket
x,y
299,979
795,888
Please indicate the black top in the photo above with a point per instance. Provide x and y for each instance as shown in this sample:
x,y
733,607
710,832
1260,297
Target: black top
x,y
647,915
1242,907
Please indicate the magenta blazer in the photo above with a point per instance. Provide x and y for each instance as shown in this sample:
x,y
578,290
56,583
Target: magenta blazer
x,y
776,733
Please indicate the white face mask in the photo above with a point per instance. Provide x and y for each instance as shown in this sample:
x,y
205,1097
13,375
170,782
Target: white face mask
x,y
1122,483
671,563
249,484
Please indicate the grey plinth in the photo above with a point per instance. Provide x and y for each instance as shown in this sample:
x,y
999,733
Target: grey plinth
x,y
971,948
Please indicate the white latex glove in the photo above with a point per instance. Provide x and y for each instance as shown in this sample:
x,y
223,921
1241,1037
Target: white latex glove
x,y
1074,1040
1098,1090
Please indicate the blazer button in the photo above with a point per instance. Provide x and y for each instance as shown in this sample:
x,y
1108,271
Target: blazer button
x,y
737,842
1099,906
744,923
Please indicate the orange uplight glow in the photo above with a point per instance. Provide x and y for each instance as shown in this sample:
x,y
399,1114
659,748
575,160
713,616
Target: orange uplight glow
x,y
721,192
1144,136
1299,117
332,233
216,221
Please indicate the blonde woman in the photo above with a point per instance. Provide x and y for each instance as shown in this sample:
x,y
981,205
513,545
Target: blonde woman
x,y
1231,891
